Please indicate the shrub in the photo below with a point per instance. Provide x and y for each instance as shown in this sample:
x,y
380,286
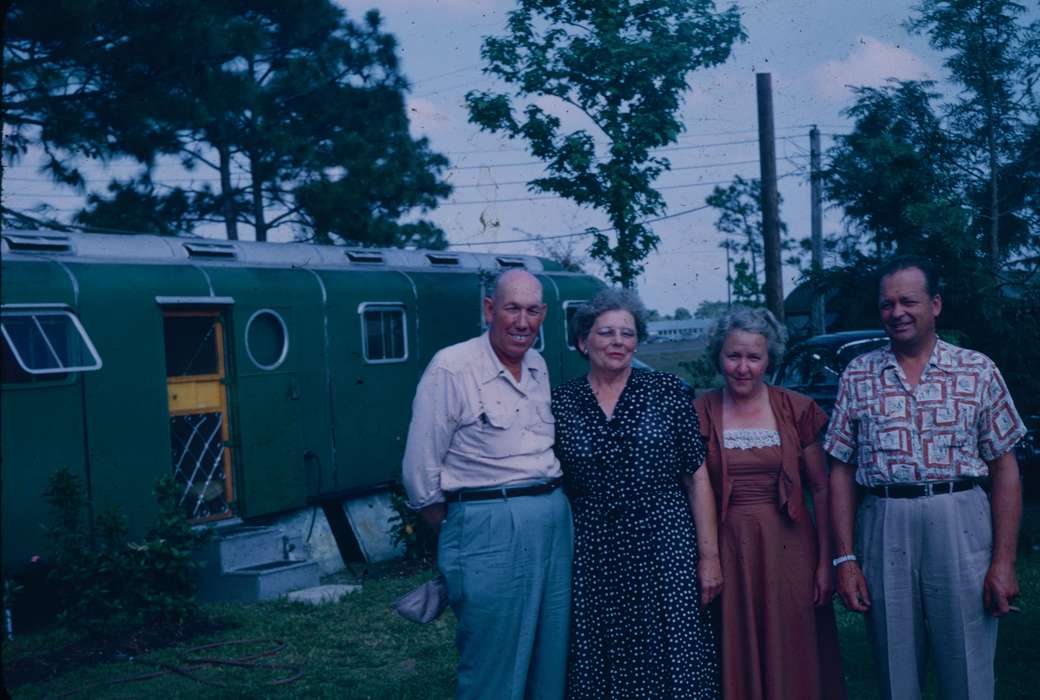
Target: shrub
x,y
408,528
105,583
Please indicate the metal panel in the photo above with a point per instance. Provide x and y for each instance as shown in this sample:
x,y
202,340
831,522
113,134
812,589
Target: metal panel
x,y
369,518
127,414
267,404
42,424
370,430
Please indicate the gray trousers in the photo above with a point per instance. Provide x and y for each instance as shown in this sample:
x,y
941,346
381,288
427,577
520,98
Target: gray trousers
x,y
925,560
507,563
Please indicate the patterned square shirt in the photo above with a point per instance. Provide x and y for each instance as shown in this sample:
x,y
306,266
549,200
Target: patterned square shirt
x,y
960,414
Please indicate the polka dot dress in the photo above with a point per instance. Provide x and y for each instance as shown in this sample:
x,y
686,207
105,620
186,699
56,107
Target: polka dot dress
x,y
637,630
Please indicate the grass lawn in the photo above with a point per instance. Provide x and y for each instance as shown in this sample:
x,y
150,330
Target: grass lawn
x,y
360,649
667,356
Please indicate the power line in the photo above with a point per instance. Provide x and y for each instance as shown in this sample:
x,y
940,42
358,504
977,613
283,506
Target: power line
x,y
468,83
431,78
668,149
588,232
702,166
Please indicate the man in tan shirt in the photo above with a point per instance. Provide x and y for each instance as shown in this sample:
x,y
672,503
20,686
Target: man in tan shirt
x,y
479,467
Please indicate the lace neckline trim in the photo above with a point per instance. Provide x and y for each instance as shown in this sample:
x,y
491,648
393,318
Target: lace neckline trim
x,y
749,438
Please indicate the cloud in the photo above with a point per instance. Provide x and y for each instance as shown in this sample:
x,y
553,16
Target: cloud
x,y
870,63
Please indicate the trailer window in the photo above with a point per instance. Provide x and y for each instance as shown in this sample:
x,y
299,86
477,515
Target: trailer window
x,y
51,342
383,336
267,339
569,309
191,344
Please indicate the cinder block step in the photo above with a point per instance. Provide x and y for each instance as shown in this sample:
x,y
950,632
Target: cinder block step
x,y
241,547
266,581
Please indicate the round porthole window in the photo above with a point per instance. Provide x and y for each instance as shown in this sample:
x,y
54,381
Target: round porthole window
x,y
267,339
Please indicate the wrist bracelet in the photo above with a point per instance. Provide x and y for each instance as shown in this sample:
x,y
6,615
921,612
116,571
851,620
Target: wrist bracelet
x,y
842,559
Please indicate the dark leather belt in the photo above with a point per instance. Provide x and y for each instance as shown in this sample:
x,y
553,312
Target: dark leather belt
x,y
503,492
931,488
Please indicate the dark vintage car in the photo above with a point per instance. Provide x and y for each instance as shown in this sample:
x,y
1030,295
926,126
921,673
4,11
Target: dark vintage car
x,y
814,366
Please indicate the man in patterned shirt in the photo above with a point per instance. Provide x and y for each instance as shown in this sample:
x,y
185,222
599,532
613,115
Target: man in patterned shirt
x,y
916,424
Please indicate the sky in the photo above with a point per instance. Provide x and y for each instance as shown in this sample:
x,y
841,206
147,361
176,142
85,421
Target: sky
x,y
814,50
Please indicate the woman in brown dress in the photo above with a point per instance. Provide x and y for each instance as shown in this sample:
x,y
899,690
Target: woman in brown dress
x,y
778,635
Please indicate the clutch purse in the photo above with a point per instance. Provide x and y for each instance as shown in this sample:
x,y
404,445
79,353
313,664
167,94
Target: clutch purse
x,y
425,603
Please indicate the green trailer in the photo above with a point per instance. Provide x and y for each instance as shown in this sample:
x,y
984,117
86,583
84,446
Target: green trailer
x,y
266,377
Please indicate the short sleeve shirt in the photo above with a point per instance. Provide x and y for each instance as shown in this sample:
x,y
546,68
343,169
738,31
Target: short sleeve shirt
x,y
959,415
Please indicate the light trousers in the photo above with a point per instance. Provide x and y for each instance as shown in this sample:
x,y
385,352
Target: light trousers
x,y
507,564
925,560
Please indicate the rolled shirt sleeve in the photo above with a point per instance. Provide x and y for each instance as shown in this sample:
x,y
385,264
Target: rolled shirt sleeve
x,y
435,416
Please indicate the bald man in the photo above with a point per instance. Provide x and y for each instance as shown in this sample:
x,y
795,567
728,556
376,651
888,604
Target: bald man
x,y
479,467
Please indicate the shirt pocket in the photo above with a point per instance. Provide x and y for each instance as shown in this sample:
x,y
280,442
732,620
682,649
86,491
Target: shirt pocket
x,y
949,449
497,434
544,422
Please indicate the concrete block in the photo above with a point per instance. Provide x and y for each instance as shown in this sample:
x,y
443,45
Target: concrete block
x,y
331,593
269,581
369,518
311,537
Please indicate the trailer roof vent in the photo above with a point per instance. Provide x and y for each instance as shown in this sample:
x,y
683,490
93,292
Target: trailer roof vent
x,y
198,249
38,242
442,259
510,261
367,257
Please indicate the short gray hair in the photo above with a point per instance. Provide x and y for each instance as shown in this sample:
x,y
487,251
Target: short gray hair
x,y
759,321
608,299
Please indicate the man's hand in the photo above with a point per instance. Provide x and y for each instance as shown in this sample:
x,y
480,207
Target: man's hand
x,y
999,589
709,575
433,515
852,587
823,584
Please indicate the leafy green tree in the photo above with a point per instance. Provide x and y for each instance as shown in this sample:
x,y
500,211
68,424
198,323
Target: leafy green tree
x,y
894,174
682,314
623,66
995,60
710,309
740,218
296,111
747,290
135,206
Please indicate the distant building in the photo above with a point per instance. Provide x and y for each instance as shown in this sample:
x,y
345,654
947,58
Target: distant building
x,y
690,329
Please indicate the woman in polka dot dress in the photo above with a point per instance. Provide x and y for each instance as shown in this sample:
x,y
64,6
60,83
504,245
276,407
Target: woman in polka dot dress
x,y
645,553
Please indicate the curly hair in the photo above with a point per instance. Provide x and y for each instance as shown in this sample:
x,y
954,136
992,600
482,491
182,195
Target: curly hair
x,y
750,320
608,299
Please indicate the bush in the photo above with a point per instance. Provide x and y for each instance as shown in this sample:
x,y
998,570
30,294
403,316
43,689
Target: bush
x,y
105,583
408,528
701,373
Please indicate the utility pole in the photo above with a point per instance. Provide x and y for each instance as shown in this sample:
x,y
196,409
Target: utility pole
x,y
729,282
816,195
774,286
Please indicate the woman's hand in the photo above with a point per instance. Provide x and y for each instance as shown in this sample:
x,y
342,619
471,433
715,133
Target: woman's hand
x,y
709,575
823,584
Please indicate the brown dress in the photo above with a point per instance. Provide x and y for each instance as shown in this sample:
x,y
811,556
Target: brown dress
x,y
774,643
